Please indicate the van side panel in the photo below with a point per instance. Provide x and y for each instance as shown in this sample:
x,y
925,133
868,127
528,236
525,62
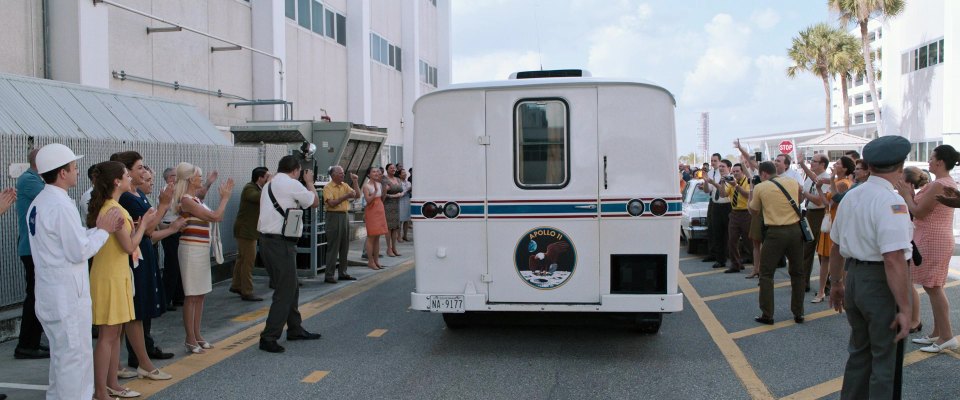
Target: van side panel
x,y
450,253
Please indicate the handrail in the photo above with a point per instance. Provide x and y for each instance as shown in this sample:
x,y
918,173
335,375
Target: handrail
x,y
186,28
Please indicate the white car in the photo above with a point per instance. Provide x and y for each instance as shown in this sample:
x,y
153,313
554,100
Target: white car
x,y
693,222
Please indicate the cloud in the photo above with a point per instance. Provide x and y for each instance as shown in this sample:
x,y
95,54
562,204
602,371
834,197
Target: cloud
x,y
493,66
765,19
719,74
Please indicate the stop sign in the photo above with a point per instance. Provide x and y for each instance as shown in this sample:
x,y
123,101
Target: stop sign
x,y
786,147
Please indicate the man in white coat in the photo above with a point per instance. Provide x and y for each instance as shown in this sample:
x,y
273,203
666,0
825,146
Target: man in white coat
x,y
60,247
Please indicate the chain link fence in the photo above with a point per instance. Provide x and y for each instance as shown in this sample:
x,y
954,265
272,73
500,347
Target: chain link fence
x,y
229,161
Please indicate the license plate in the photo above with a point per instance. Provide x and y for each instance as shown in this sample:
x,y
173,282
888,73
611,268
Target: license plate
x,y
445,304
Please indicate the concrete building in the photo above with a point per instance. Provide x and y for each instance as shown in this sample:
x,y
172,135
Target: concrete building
x,y
363,61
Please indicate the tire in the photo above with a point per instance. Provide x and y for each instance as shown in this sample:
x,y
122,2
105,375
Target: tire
x,y
694,246
455,321
648,323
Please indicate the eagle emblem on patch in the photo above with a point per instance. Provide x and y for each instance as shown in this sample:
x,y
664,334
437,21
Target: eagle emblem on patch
x,y
899,209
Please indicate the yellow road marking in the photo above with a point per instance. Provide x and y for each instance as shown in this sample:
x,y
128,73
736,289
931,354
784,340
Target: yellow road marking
x,y
834,385
716,271
252,316
751,290
315,376
735,357
377,333
782,324
690,258
190,365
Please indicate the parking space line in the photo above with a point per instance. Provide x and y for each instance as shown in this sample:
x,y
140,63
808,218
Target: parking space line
x,y
190,365
252,315
377,333
751,290
782,324
834,385
728,347
315,376
23,386
716,271
690,258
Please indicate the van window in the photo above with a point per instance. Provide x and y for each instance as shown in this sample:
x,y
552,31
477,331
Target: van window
x,y
541,144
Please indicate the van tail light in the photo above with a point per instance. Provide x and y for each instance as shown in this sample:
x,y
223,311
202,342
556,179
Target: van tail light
x,y
635,207
430,210
658,207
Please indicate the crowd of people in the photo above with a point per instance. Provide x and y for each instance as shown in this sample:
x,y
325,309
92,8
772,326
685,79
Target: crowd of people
x,y
96,263
874,226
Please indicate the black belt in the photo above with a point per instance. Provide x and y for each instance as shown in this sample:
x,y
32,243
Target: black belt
x,y
335,212
738,210
279,237
816,209
873,263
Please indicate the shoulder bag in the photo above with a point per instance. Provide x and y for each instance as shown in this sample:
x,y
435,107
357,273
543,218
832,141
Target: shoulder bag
x,y
805,231
292,218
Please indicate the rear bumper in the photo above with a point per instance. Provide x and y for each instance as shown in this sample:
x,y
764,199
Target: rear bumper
x,y
661,303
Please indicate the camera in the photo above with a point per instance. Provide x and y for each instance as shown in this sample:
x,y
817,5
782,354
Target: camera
x,y
759,156
756,179
728,178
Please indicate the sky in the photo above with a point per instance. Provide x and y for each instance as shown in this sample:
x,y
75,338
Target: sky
x,y
728,58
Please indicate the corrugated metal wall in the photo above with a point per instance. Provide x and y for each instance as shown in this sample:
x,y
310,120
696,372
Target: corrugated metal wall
x,y
230,162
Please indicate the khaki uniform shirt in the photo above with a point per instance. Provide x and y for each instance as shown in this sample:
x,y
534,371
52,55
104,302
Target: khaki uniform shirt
x,y
777,210
333,191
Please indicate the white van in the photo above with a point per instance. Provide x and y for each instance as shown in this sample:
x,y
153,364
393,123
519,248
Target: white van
x,y
547,194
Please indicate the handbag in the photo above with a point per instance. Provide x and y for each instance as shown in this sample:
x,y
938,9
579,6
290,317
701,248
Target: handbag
x,y
827,222
805,231
292,218
916,257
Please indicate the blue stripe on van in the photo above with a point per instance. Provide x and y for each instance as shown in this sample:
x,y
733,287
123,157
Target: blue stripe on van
x,y
527,208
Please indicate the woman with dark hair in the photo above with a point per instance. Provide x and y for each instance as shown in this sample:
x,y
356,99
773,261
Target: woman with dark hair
x,y
840,182
373,216
111,289
404,206
194,250
391,206
933,235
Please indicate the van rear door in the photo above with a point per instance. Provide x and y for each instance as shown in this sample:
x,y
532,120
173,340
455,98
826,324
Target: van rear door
x,y
542,195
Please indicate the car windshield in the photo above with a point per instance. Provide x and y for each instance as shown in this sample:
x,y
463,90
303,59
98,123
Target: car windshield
x,y
700,196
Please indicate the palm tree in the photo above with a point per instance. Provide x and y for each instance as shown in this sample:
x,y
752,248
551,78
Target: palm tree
x,y
846,61
811,52
861,11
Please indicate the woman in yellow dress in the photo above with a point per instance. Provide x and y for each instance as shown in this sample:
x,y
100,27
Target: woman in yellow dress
x,y
840,181
111,288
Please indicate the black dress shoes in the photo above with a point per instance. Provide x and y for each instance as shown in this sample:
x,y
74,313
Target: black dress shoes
x,y
709,259
764,320
250,297
346,278
303,336
158,354
30,354
330,280
237,291
732,270
271,346
719,265
798,319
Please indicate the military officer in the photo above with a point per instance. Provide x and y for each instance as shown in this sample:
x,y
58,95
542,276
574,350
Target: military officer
x,y
872,233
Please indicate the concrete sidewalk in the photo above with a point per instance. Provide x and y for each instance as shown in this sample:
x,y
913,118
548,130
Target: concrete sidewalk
x,y
224,315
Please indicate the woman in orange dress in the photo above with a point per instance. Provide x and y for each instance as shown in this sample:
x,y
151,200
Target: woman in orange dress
x,y
840,182
374,216
933,235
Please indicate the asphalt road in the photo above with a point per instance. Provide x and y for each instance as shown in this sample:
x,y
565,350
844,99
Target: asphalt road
x,y
559,356
373,346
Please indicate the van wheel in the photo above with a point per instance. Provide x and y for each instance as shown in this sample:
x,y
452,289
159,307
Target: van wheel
x,y
648,323
455,321
696,246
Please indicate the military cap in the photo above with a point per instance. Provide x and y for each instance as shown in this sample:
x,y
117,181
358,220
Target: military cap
x,y
885,151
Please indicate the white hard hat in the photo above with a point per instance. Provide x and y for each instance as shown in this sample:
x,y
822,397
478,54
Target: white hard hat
x,y
54,155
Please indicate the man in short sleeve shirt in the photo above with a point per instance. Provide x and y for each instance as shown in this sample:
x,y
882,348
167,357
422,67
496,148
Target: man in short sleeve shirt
x,y
279,253
872,233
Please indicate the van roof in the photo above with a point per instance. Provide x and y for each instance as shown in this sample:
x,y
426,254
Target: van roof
x,y
536,82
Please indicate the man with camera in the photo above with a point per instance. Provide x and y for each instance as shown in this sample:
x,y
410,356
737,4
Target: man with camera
x,y
776,198
737,189
278,242
718,211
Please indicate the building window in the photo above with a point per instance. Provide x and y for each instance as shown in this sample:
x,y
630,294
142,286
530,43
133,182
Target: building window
x,y
291,9
383,52
317,17
434,2
398,66
858,118
428,74
541,144
303,13
927,55
871,117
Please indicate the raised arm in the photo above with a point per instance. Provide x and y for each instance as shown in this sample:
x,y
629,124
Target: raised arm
x,y
197,210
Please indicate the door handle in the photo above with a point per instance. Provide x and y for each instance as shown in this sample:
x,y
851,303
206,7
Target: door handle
x,y
587,207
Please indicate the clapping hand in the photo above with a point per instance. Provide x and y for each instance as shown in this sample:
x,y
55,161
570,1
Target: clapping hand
x,y
212,177
7,198
110,221
950,197
179,224
226,189
354,178
166,196
151,217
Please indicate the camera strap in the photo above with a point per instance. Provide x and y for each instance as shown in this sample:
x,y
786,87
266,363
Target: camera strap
x,y
276,206
792,203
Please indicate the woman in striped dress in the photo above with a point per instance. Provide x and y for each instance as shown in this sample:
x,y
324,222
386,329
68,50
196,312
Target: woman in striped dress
x,y
194,251
933,235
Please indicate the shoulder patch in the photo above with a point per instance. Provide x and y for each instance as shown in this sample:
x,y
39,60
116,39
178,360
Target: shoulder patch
x,y
899,209
32,221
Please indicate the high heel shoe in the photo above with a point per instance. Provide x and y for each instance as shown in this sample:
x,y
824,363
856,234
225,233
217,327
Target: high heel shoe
x,y
124,393
193,348
204,344
373,267
817,299
753,275
936,348
917,329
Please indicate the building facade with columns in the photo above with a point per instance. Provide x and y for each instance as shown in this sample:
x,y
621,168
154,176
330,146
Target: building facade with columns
x,y
362,61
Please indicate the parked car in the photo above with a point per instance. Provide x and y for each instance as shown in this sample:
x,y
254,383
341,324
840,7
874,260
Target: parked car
x,y
693,222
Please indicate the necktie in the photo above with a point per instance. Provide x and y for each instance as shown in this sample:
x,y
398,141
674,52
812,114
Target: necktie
x,y
716,193
736,193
